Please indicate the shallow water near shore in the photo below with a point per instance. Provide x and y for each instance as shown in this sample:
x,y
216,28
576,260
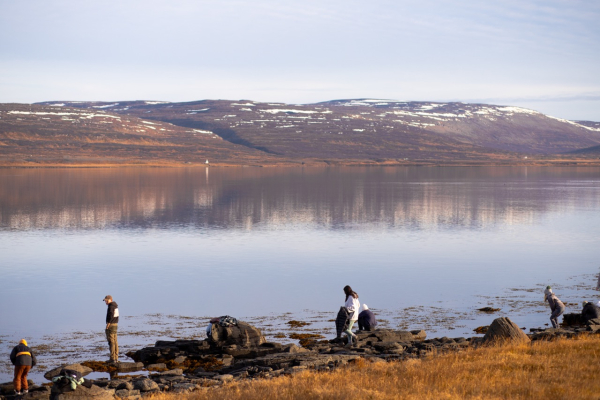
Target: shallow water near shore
x,y
423,247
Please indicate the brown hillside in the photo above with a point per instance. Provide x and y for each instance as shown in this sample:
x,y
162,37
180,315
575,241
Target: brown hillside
x,y
39,134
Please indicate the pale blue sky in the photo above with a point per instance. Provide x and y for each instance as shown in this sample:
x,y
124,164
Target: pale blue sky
x,y
543,55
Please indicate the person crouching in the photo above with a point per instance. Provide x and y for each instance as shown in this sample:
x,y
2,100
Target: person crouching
x,y
366,319
589,311
23,359
555,304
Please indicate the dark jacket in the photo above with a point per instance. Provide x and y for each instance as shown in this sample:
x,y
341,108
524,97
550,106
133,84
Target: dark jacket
x,y
366,320
22,355
341,322
112,313
590,311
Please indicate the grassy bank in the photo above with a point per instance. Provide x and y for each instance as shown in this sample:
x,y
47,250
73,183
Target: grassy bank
x,y
563,369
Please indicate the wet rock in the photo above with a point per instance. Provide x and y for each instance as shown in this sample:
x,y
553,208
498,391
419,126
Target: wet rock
x,y
503,329
83,370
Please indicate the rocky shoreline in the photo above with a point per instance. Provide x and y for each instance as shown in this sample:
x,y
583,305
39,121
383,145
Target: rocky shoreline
x,y
241,352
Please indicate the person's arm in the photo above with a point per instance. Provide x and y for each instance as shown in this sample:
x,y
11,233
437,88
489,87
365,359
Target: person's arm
x,y
110,315
13,356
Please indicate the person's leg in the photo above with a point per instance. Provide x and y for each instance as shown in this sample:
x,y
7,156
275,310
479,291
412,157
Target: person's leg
x,y
24,384
349,333
555,314
17,378
111,335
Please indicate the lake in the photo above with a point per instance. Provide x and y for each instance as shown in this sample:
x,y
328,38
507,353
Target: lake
x,y
424,247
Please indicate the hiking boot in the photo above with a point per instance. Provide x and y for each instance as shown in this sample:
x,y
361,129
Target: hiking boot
x,y
25,391
17,393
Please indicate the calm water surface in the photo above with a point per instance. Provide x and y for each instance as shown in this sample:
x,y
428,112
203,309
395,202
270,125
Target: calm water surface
x,y
424,247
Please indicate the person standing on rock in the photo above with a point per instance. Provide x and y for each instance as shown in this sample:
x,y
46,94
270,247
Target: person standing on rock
x,y
352,305
555,304
366,319
23,359
112,323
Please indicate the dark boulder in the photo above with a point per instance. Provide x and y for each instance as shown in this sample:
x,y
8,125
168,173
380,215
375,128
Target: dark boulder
x,y
572,319
242,335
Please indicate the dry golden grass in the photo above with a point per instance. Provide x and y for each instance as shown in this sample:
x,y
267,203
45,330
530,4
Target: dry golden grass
x,y
564,369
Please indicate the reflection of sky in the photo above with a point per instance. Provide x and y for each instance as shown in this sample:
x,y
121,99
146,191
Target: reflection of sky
x,y
275,242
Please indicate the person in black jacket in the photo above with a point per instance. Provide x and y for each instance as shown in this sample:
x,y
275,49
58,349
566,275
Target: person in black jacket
x,y
23,359
590,311
366,319
112,323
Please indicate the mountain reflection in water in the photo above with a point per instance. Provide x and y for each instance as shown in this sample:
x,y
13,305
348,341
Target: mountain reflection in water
x,y
265,198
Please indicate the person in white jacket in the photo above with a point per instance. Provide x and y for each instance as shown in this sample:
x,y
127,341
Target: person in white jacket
x,y
353,306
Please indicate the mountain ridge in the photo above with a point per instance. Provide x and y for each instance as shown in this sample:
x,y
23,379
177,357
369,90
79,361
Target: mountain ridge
x,y
240,132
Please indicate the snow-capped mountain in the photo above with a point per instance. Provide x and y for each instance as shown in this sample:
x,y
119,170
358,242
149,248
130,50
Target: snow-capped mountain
x,y
338,130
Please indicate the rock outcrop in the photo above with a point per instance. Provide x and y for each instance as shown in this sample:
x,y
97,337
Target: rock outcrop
x,y
82,369
504,330
242,335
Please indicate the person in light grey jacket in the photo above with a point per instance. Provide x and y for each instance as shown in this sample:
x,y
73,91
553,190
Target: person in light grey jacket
x,y
555,304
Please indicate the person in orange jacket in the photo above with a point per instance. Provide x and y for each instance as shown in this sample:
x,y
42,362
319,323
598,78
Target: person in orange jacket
x,y
23,359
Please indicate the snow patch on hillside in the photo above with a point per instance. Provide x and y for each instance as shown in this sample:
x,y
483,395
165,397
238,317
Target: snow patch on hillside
x,y
280,110
575,124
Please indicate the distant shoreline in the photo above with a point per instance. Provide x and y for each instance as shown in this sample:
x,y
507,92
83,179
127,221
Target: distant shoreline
x,y
322,163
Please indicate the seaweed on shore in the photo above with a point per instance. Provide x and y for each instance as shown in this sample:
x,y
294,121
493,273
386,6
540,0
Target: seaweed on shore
x,y
99,366
306,339
297,324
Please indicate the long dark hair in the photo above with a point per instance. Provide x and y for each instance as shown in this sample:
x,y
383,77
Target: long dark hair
x,y
349,292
